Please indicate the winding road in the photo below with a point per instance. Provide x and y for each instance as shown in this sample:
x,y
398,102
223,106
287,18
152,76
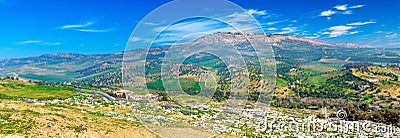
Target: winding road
x,y
106,96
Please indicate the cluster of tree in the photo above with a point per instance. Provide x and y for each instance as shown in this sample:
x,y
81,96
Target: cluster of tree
x,y
348,80
107,79
296,53
379,73
357,65
363,111
105,66
334,87
375,59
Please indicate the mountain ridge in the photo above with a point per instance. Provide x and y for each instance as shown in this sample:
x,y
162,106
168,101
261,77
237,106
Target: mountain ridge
x,y
272,38
82,65
276,38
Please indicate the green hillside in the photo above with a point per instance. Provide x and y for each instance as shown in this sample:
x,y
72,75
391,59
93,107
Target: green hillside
x,y
13,89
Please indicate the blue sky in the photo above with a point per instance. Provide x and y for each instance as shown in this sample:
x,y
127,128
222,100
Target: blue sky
x,y
35,27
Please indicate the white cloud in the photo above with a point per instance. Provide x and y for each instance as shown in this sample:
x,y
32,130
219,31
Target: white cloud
x,y
187,30
339,30
151,23
341,7
135,39
191,29
87,24
388,33
272,29
356,6
348,12
314,36
360,23
38,42
392,36
28,42
256,12
354,32
327,13
276,22
51,43
287,30
325,33
242,21
95,30
85,27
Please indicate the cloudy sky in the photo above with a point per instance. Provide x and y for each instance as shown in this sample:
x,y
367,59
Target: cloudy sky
x,y
35,27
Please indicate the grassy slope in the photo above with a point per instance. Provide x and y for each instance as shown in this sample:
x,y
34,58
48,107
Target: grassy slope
x,y
11,88
60,120
387,89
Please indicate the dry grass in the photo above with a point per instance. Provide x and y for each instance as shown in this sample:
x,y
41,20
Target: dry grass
x,y
319,68
332,60
66,121
182,132
392,90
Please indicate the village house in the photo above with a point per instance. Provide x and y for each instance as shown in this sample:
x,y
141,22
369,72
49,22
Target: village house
x,y
373,80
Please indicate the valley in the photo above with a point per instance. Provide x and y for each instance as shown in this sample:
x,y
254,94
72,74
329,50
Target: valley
x,y
312,81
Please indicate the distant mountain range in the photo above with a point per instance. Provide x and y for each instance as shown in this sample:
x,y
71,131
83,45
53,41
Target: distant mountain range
x,y
94,69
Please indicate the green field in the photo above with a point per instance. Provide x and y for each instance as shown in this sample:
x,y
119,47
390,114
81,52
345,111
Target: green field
x,y
320,79
281,82
319,68
10,89
53,78
188,85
